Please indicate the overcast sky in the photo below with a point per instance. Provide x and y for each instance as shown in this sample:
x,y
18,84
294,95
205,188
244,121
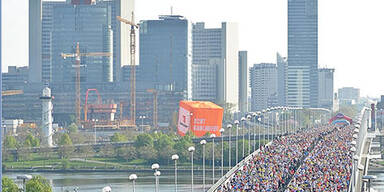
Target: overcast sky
x,y
351,32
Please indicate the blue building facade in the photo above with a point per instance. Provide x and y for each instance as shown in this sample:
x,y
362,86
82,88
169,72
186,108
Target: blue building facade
x,y
302,74
90,26
165,54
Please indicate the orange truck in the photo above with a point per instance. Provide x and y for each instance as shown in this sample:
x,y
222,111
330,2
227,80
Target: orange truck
x,y
199,117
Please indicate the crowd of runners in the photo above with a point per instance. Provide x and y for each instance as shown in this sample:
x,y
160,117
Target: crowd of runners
x,y
312,160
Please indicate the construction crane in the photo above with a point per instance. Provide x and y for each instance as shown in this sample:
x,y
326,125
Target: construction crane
x,y
134,26
11,92
77,55
155,93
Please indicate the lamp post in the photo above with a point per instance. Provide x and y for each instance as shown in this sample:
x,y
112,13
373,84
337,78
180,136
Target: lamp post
x,y
263,122
237,141
259,126
222,151
133,178
157,173
229,127
248,118
175,157
94,128
24,178
268,128
254,131
142,117
191,150
242,131
203,142
213,157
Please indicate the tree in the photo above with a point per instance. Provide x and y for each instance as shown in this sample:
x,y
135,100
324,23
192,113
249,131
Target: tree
x,y
127,153
38,184
144,140
107,150
10,142
181,147
86,151
147,153
65,140
31,141
65,144
118,137
8,185
72,128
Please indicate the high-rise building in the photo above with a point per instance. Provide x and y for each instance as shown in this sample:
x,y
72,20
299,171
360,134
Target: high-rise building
x,y
348,95
326,88
90,26
35,20
243,81
165,53
302,75
263,81
215,68
15,78
121,57
282,66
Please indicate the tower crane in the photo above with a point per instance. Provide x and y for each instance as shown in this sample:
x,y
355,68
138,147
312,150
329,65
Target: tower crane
x,y
132,43
77,55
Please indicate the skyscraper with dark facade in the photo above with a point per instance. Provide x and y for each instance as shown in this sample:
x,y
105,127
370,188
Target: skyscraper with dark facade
x,y
302,74
90,26
165,53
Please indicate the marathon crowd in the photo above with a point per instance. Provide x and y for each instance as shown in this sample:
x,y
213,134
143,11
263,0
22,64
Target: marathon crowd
x,y
273,167
328,166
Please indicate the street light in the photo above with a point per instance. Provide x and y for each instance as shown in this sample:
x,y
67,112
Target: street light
x,y
94,126
203,142
254,131
229,127
157,173
269,119
249,133
24,178
242,132
213,157
142,117
263,122
133,177
237,141
191,149
222,151
259,126
175,157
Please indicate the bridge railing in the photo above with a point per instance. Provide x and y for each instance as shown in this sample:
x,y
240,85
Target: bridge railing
x,y
226,177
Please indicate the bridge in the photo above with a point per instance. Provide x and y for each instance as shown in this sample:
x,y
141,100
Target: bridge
x,y
352,145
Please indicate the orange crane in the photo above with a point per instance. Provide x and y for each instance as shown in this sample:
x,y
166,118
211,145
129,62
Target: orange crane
x,y
155,93
132,43
77,55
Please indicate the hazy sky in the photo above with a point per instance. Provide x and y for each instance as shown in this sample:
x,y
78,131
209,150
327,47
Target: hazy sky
x,y
351,32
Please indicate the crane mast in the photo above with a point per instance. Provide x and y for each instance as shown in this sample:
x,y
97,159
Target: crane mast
x,y
132,64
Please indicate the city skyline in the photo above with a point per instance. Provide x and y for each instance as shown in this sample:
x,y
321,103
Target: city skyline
x,y
262,40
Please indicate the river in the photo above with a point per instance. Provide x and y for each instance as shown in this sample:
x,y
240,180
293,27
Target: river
x,y
94,182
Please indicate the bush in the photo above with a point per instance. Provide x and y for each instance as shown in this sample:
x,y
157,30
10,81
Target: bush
x,y
8,185
38,184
